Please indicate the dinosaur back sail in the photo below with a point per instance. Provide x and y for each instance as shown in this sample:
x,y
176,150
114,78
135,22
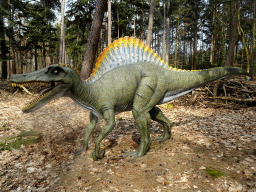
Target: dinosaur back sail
x,y
124,51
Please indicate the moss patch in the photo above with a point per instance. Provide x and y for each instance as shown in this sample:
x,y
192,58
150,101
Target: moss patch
x,y
213,173
24,138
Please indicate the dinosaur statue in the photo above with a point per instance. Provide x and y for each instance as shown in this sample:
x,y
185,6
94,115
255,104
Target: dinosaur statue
x,y
128,75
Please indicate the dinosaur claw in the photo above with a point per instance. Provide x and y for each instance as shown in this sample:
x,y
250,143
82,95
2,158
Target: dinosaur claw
x,y
99,156
133,158
133,155
85,148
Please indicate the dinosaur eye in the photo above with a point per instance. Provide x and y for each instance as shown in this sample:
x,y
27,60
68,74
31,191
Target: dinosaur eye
x,y
55,71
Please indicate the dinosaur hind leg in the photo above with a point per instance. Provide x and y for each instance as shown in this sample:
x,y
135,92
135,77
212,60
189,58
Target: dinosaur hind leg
x,y
142,122
157,115
148,93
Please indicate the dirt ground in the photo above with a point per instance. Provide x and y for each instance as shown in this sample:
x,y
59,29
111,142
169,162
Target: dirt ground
x,y
210,150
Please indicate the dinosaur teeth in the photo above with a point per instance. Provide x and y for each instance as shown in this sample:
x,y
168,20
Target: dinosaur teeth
x,y
28,105
32,83
42,94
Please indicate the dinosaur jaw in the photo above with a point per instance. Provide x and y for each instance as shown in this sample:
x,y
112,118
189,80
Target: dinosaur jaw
x,y
54,90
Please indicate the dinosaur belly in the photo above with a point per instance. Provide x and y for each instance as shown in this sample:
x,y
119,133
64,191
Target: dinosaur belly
x,y
122,108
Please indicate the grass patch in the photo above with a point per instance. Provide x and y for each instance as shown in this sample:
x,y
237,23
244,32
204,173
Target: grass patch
x,y
213,173
24,138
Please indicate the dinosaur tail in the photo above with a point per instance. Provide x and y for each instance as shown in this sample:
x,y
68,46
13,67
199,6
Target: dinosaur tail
x,y
183,82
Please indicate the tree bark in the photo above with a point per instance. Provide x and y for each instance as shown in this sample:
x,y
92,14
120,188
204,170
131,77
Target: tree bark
x,y
176,41
194,56
253,54
167,40
214,36
36,63
150,23
3,46
12,40
109,21
233,33
94,34
62,36
167,35
164,33
142,22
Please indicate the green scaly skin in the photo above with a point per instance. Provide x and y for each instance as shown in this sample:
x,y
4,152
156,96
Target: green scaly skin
x,y
138,88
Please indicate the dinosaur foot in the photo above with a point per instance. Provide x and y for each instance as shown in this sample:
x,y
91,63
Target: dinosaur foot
x,y
128,153
133,154
96,157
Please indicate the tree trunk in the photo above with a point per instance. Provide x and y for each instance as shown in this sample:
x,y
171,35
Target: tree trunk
x,y
176,41
167,41
214,36
44,56
233,33
117,24
3,47
36,64
94,35
109,21
164,34
21,62
253,54
194,56
247,52
12,40
62,36
13,60
142,21
150,23
134,24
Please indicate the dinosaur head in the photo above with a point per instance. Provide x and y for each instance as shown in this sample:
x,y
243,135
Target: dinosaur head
x,y
57,78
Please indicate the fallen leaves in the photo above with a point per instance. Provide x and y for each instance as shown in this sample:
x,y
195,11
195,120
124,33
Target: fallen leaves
x,y
219,139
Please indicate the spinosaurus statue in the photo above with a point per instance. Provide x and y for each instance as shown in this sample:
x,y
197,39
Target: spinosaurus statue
x,y
128,75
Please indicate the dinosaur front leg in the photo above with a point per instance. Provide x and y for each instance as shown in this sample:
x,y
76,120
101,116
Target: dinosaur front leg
x,y
109,117
90,128
157,115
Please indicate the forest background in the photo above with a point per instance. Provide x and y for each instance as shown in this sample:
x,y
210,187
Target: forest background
x,y
187,34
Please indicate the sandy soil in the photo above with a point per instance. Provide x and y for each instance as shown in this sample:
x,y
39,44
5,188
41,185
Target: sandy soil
x,y
203,139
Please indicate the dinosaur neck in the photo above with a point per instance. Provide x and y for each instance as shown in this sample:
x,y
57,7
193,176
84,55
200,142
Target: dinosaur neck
x,y
81,94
